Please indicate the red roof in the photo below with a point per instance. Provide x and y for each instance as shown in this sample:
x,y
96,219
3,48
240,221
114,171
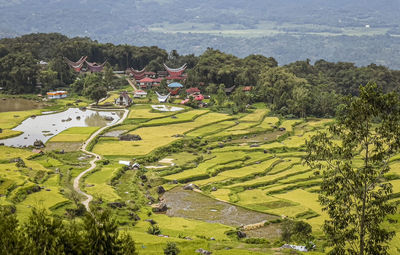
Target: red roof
x,y
247,88
199,98
158,80
145,80
192,90
175,78
185,101
149,73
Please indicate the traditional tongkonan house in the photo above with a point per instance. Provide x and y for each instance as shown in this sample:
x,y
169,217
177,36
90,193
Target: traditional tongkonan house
x,y
174,88
176,74
138,75
150,74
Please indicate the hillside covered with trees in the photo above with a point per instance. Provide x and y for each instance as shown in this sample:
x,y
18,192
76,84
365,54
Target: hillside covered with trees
x,y
299,88
357,31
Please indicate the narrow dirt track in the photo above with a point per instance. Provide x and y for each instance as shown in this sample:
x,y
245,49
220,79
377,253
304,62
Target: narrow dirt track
x,y
97,157
132,84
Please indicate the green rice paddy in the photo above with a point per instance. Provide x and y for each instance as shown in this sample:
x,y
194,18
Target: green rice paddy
x,y
243,160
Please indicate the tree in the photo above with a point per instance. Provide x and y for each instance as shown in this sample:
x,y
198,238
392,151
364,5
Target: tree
x,y
97,93
276,85
103,237
221,96
108,75
240,99
42,233
9,224
48,78
171,249
298,231
353,156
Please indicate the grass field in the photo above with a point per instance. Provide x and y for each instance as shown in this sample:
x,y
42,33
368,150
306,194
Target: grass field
x,y
74,134
154,137
241,159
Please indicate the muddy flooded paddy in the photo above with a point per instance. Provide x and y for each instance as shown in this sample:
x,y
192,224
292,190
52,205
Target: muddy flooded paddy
x,y
44,127
18,104
194,205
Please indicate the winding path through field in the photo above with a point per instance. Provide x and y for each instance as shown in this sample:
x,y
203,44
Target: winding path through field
x,y
97,157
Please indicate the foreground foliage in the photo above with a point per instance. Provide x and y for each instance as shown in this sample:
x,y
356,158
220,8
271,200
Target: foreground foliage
x,y
354,158
42,234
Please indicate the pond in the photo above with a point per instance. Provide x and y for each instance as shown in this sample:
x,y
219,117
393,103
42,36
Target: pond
x,y
193,205
18,104
44,127
164,108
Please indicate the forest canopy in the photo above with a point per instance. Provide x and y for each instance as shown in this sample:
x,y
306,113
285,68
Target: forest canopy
x,y
300,88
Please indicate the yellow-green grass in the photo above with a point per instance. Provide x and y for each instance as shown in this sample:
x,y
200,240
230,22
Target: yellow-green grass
x,y
303,197
182,158
255,116
50,162
9,153
210,129
219,159
214,179
7,133
294,141
271,177
10,120
42,199
289,211
74,134
146,112
288,162
249,170
309,200
268,123
173,226
154,137
180,117
11,176
221,194
124,127
288,124
395,168
319,122
110,99
298,177
254,196
100,180
396,186
239,129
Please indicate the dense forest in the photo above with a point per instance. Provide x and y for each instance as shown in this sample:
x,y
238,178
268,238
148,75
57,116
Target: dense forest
x,y
300,88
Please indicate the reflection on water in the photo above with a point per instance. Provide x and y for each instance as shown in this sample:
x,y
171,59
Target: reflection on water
x,y
44,127
18,104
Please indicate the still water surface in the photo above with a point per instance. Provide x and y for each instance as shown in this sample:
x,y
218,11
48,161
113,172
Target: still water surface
x,y
18,104
44,127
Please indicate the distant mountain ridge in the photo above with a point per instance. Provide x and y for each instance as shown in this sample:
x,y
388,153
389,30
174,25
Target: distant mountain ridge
x,y
136,21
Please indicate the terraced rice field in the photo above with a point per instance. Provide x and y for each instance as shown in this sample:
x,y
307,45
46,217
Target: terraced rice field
x,y
243,160
74,134
155,136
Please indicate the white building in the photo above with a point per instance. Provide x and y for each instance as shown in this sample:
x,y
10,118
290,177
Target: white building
x,y
57,94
